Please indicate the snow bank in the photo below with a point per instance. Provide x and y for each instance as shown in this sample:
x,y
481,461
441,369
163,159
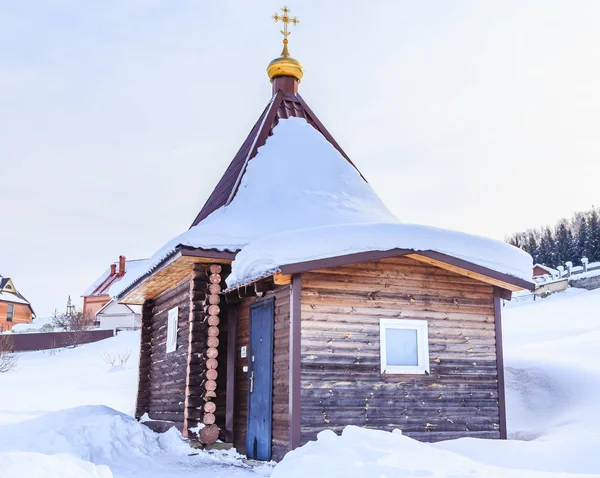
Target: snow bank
x,y
299,181
97,441
268,253
361,453
37,465
91,433
553,384
52,380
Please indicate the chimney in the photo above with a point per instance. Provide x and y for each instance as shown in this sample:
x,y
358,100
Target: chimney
x,y
121,265
561,270
584,262
113,269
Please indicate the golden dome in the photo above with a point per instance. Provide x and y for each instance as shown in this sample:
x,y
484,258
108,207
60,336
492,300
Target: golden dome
x,y
285,65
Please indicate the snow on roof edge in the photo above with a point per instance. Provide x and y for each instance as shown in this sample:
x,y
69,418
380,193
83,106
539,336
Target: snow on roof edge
x,y
269,253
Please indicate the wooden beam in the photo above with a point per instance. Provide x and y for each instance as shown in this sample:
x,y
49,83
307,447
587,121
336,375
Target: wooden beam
x,y
232,327
295,361
473,271
344,260
282,279
500,362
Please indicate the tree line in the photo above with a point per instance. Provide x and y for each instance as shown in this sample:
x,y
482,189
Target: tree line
x,y
570,240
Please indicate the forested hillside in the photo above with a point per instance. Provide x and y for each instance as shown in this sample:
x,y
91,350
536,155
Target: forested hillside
x,y
570,240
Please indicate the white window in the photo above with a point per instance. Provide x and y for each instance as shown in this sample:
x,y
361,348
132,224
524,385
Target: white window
x,y
403,346
172,329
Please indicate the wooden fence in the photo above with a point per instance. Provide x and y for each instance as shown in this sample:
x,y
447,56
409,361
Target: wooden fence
x,y
54,340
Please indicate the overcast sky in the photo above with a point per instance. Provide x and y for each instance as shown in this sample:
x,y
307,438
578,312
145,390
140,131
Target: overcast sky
x,y
118,117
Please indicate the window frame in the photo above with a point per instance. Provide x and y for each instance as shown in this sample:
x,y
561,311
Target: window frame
x,y
172,329
422,328
10,312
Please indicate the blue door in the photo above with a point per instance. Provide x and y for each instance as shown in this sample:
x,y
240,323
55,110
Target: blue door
x,y
260,380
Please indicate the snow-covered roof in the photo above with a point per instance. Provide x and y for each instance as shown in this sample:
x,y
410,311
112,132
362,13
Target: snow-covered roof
x,y
269,253
550,270
14,298
102,285
299,188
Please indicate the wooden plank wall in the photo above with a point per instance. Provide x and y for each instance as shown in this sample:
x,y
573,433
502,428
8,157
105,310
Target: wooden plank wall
x,y
280,373
341,380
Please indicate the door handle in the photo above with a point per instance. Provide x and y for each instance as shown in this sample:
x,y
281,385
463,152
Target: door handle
x,y
252,381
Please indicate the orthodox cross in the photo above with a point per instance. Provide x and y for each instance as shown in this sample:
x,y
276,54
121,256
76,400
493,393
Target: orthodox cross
x,y
285,19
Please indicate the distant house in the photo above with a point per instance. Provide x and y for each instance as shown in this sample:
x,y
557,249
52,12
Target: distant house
x,y
14,308
540,270
97,301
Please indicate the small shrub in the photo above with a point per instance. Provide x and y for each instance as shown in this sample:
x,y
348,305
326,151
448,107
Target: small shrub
x,y
8,359
116,359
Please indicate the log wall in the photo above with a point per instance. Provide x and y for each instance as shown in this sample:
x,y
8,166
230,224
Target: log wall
x,y
162,384
280,373
186,387
341,383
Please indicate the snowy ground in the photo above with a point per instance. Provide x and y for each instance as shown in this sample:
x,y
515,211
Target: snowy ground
x,y
552,386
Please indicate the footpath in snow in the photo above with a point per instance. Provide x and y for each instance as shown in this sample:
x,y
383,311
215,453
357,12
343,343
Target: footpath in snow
x,y
552,388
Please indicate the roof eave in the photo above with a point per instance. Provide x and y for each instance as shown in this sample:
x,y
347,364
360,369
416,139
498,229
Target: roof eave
x,y
189,255
460,266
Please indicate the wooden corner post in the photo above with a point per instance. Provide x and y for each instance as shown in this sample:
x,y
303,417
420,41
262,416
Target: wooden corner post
x,y
143,394
295,361
500,362
232,328
201,375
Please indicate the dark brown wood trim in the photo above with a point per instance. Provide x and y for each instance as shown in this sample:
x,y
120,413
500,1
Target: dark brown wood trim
x,y
328,262
327,134
295,361
141,406
454,261
232,328
261,139
300,267
500,362
505,294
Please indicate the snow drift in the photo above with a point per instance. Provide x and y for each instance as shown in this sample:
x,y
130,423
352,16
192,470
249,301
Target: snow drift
x,y
360,453
38,465
99,442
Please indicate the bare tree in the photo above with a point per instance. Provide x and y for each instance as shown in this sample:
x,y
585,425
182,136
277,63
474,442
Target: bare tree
x,y
79,323
8,359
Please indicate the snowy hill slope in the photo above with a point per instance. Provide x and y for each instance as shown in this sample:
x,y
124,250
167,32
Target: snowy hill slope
x,y
46,381
552,386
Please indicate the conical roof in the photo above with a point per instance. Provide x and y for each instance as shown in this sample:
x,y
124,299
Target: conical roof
x,y
291,189
281,106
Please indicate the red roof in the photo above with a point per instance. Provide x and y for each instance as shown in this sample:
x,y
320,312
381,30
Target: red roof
x,y
102,289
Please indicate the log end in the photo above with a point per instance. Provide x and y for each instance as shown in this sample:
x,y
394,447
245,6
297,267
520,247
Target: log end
x,y
208,435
